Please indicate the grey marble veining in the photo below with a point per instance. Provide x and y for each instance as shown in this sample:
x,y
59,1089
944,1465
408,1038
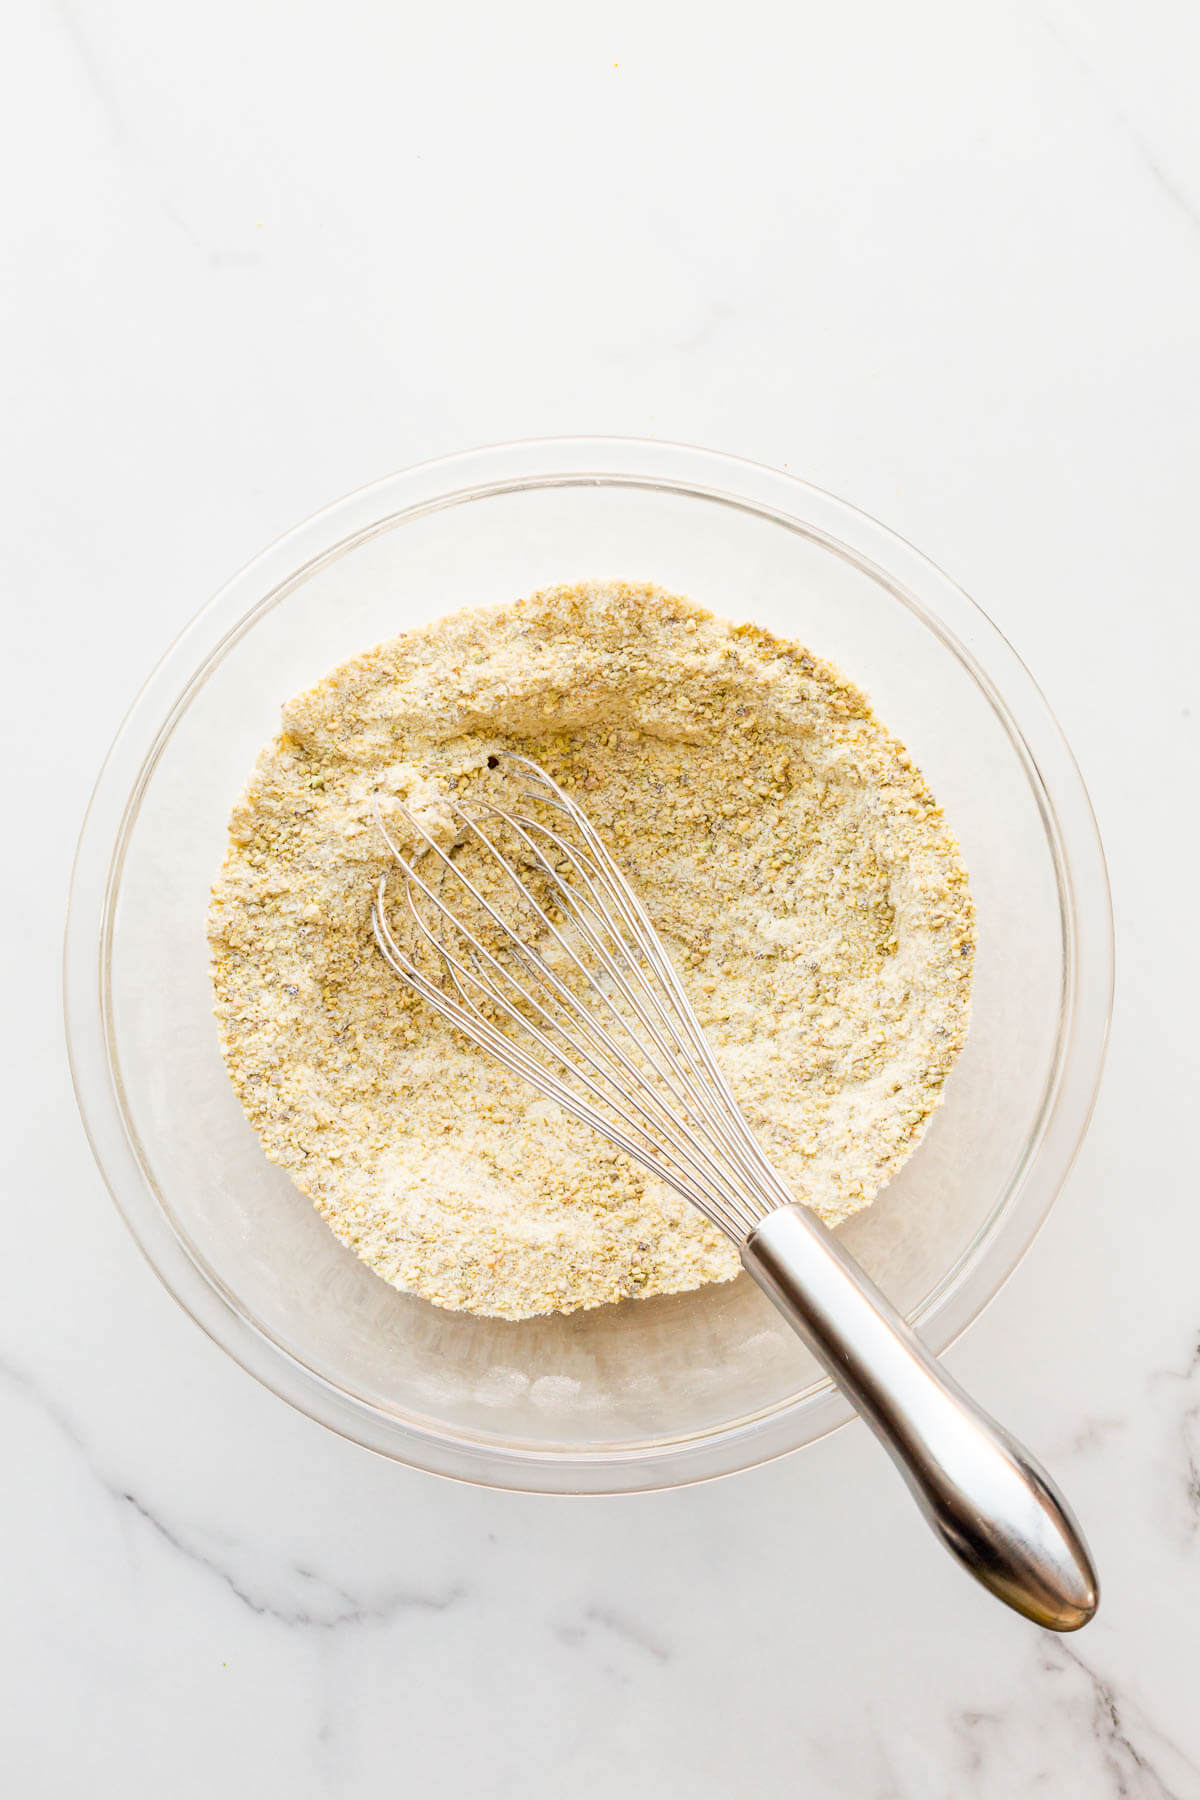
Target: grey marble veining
x,y
288,1592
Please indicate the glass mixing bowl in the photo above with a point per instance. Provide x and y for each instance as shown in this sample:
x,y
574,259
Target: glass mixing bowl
x,y
649,1393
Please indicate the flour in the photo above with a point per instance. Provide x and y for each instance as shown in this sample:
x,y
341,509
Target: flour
x,y
795,864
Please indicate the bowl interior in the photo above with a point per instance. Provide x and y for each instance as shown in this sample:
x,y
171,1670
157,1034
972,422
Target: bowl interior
x,y
643,1376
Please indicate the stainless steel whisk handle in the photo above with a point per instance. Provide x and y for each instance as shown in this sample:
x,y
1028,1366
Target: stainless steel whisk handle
x,y
986,1497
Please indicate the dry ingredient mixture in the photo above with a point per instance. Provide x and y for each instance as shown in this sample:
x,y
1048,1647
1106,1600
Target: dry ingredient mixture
x,y
791,856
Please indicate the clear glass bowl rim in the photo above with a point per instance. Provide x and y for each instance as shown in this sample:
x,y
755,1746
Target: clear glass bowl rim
x,y
582,461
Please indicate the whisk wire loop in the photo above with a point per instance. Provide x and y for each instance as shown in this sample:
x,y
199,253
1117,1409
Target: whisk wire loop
x,y
604,1051
642,1149
625,1054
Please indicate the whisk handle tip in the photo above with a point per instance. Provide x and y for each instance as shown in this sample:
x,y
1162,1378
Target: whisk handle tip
x,y
986,1497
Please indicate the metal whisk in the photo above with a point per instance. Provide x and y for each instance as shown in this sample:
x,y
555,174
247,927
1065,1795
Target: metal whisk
x,y
538,949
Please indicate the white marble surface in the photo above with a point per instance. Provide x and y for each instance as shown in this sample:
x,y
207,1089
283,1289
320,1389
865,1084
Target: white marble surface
x,y
943,260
